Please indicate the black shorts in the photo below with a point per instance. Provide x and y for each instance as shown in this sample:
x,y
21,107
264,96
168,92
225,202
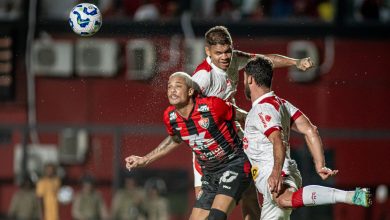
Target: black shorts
x,y
231,181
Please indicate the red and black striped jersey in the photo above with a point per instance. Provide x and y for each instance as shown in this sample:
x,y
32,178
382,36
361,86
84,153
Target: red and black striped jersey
x,y
209,131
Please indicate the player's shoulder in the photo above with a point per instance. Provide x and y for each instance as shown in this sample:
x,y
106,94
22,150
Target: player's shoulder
x,y
270,102
169,113
203,67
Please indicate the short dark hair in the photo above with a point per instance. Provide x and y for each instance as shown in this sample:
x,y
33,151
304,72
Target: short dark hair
x,y
218,35
260,69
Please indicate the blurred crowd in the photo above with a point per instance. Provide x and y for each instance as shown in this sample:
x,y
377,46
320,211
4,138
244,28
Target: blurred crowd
x,y
130,202
224,10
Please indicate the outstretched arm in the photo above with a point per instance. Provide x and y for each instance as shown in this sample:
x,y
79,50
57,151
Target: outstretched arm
x,y
283,61
279,61
313,140
166,146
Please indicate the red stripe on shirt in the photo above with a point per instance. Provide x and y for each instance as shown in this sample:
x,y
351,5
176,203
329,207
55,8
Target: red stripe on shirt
x,y
270,130
203,66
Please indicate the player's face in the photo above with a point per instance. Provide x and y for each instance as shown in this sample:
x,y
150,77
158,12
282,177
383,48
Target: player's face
x,y
247,89
220,55
178,92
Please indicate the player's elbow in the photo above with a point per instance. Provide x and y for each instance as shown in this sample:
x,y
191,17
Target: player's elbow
x,y
311,130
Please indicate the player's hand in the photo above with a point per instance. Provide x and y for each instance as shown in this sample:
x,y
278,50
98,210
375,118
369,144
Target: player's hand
x,y
135,161
304,64
275,182
325,172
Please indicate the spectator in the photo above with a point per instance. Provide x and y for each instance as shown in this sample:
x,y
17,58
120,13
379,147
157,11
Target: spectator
x,y
127,201
147,11
156,206
88,203
25,204
47,188
10,9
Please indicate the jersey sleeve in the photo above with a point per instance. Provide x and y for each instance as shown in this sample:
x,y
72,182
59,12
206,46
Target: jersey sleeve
x,y
294,111
267,119
202,80
224,110
167,123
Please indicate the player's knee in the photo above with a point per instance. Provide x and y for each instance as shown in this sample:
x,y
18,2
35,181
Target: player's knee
x,y
216,214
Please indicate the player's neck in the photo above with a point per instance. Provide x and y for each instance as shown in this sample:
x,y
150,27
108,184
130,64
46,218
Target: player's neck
x,y
185,110
258,92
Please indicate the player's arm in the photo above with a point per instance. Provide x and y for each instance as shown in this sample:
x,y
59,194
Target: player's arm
x,y
279,61
283,61
240,114
279,152
166,146
313,140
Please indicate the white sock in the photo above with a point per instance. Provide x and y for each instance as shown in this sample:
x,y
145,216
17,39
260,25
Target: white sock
x,y
319,195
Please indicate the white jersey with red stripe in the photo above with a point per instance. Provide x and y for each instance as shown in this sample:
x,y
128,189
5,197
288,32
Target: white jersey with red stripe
x,y
268,113
214,81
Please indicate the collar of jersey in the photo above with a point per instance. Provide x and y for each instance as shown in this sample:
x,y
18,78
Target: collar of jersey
x,y
213,66
266,95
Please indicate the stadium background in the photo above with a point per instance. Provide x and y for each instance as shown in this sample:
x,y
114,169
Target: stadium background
x,y
104,95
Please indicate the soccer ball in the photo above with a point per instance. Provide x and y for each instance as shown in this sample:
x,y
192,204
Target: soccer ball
x,y
85,19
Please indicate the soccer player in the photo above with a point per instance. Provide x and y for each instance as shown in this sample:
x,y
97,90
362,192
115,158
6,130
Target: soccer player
x,y
206,125
218,76
266,142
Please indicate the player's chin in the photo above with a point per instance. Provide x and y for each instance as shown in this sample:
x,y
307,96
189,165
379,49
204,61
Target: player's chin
x,y
173,101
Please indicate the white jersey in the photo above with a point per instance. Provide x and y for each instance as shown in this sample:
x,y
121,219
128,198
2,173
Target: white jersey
x,y
268,113
213,81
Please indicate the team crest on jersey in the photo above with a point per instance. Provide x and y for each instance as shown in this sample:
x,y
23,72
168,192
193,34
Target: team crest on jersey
x,y
203,108
172,116
267,118
204,122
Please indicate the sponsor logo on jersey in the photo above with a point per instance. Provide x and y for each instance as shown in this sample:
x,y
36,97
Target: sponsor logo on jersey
x,y
262,119
203,108
204,122
228,176
196,141
172,116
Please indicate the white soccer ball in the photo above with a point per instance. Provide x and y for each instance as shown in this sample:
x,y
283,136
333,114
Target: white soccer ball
x,y
85,19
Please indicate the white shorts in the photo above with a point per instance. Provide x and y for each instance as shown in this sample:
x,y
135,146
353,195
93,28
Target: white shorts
x,y
270,209
197,174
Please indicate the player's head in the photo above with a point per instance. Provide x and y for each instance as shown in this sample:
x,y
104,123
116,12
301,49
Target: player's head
x,y
258,72
180,89
219,46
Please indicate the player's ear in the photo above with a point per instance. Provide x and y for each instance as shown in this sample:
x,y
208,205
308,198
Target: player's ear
x,y
250,79
191,91
207,49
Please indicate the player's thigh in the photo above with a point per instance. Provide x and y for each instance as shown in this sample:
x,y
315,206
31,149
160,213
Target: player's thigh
x,y
270,211
198,213
224,203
